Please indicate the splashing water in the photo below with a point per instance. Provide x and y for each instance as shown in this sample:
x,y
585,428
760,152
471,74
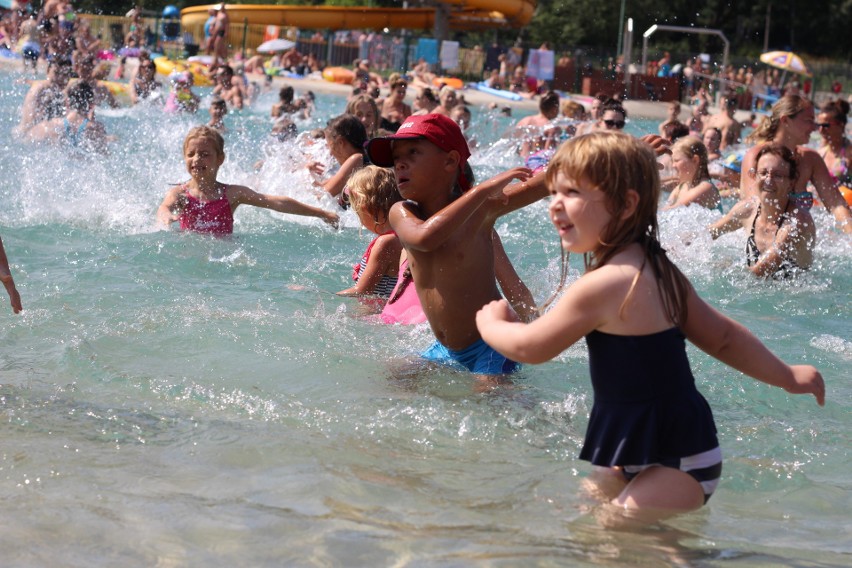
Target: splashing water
x,y
216,400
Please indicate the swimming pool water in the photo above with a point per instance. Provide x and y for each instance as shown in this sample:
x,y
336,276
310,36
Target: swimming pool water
x,y
175,400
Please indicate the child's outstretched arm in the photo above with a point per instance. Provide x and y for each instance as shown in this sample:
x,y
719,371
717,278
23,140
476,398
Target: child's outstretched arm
x,y
733,219
519,195
8,281
584,307
167,211
734,345
429,234
240,194
336,183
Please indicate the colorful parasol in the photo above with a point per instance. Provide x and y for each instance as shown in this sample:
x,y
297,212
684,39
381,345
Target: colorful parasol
x,y
787,61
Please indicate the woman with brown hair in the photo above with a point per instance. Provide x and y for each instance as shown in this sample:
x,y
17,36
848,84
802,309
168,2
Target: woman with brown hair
x,y
791,124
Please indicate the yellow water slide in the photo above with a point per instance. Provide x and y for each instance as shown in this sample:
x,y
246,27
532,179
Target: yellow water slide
x,y
463,15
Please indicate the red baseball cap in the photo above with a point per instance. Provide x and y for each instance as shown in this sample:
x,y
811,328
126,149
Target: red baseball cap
x,y
438,129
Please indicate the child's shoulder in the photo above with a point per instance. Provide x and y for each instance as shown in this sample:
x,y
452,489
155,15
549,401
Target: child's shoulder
x,y
234,191
405,207
177,189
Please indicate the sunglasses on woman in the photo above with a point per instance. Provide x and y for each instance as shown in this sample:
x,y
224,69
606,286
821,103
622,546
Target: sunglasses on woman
x,y
618,124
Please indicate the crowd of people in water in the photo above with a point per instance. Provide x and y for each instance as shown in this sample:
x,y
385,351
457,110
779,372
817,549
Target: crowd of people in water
x,y
402,166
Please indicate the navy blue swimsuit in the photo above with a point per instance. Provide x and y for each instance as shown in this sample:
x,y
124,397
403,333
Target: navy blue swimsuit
x,y
646,408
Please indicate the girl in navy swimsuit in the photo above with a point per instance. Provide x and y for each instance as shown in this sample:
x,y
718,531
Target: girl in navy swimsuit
x,y
650,431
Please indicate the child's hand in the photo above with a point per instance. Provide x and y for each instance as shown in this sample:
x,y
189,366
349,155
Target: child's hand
x,y
495,185
807,380
658,144
495,311
332,219
14,296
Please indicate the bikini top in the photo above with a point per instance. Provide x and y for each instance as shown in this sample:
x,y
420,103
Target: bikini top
x,y
208,217
840,171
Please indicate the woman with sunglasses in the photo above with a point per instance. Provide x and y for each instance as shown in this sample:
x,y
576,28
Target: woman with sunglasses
x,y
791,124
835,151
613,116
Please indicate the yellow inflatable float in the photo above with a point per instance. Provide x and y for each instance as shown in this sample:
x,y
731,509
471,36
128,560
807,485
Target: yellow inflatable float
x,y
166,66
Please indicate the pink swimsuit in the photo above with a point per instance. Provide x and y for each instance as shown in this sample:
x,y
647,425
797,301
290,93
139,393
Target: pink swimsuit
x,y
404,306
210,217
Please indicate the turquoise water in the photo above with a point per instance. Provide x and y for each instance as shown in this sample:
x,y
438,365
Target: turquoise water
x,y
175,400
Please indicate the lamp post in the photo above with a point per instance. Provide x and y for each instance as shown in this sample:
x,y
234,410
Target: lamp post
x,y
620,28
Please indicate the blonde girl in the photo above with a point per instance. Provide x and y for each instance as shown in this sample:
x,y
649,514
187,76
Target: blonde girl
x,y
651,434
372,192
206,205
365,109
693,184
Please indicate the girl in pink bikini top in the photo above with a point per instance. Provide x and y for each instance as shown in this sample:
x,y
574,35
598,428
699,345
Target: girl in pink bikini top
x,y
205,205
211,217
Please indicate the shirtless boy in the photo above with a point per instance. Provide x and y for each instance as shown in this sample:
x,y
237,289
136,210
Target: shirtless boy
x,y
724,120
230,90
447,237
534,128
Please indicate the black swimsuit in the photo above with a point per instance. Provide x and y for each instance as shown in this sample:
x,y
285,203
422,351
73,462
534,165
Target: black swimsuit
x,y
787,267
646,406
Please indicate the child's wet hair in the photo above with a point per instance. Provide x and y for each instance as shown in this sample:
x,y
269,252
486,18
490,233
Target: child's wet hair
x,y
81,96
690,146
218,101
286,94
350,128
373,190
615,164
209,133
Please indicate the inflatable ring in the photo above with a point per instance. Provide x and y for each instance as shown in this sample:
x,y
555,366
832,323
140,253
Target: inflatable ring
x,y
338,75
166,66
453,82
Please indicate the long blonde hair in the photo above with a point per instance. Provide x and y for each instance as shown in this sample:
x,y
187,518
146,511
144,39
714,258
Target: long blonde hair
x,y
615,163
690,146
788,105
